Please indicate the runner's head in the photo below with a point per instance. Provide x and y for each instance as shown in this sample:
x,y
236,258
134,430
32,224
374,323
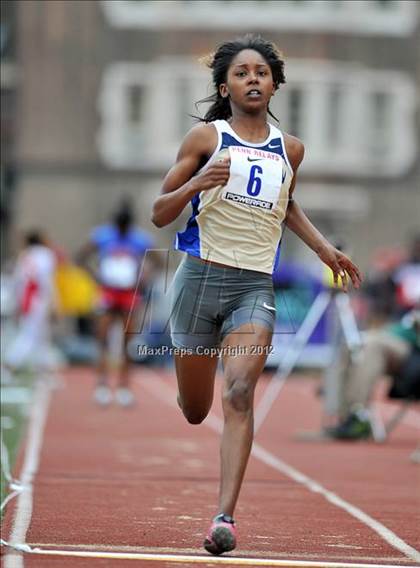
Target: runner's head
x,y
414,248
123,218
265,54
33,237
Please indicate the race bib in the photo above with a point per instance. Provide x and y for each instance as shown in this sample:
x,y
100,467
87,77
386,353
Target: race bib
x,y
119,271
256,177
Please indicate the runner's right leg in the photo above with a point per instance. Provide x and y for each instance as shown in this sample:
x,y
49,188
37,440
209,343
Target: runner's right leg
x,y
195,375
102,394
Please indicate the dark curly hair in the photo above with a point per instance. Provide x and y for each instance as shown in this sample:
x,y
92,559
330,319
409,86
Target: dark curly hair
x,y
220,62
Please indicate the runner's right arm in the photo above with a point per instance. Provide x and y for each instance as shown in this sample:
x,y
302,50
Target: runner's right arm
x,y
181,184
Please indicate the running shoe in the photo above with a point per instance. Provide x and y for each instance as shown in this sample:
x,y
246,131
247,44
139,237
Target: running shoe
x,y
124,397
355,427
221,536
102,395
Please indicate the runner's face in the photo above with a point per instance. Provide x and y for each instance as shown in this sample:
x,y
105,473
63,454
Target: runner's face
x,y
249,81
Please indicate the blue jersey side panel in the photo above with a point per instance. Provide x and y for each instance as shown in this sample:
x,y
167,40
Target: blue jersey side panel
x,y
189,240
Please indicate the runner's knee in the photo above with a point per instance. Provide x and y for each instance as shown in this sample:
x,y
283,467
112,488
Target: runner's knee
x,y
194,415
238,396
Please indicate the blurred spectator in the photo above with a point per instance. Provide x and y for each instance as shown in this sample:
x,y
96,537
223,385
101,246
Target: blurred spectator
x,y
391,342
120,248
407,278
394,350
379,289
393,286
35,293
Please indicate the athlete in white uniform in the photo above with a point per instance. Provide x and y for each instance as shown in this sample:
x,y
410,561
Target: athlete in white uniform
x,y
238,172
35,293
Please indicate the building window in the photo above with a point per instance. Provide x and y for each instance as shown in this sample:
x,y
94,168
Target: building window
x,y
184,113
380,113
142,120
295,111
369,17
335,111
135,104
348,118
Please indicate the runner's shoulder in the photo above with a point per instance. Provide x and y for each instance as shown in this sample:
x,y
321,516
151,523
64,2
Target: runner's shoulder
x,y
201,140
295,150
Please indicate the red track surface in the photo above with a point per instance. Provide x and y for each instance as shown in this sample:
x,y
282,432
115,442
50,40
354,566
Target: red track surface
x,y
143,480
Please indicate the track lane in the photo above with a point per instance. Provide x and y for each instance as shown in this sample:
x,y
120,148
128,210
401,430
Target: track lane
x,y
117,477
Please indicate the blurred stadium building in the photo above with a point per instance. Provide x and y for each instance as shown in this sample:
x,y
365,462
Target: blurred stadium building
x,y
96,97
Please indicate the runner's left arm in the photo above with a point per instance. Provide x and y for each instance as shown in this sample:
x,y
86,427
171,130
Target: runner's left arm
x,y
299,223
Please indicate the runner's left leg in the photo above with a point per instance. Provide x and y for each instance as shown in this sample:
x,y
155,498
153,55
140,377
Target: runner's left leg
x,y
241,372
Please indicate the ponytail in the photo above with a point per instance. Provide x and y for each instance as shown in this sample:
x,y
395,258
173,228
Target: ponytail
x,y
219,110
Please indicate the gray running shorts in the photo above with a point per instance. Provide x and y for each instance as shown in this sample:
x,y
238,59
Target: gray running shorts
x,y
209,301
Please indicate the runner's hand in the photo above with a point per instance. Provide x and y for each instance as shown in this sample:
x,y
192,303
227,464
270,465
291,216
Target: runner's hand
x,y
215,175
341,266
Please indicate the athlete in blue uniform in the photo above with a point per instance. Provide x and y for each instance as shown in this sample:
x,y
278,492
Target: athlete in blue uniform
x,y
120,249
239,174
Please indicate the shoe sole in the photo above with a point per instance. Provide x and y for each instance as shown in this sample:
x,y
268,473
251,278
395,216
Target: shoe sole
x,y
222,541
355,436
125,403
100,402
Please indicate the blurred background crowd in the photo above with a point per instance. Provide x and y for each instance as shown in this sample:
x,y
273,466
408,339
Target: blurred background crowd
x,y
97,95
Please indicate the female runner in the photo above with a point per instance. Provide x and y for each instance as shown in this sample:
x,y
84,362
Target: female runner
x,y
238,172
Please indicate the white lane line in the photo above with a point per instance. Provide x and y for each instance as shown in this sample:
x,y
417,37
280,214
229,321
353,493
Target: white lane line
x,y
23,513
190,559
177,551
216,423
333,498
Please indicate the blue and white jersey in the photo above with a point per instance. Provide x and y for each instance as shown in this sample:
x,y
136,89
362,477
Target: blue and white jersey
x,y
239,224
120,255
